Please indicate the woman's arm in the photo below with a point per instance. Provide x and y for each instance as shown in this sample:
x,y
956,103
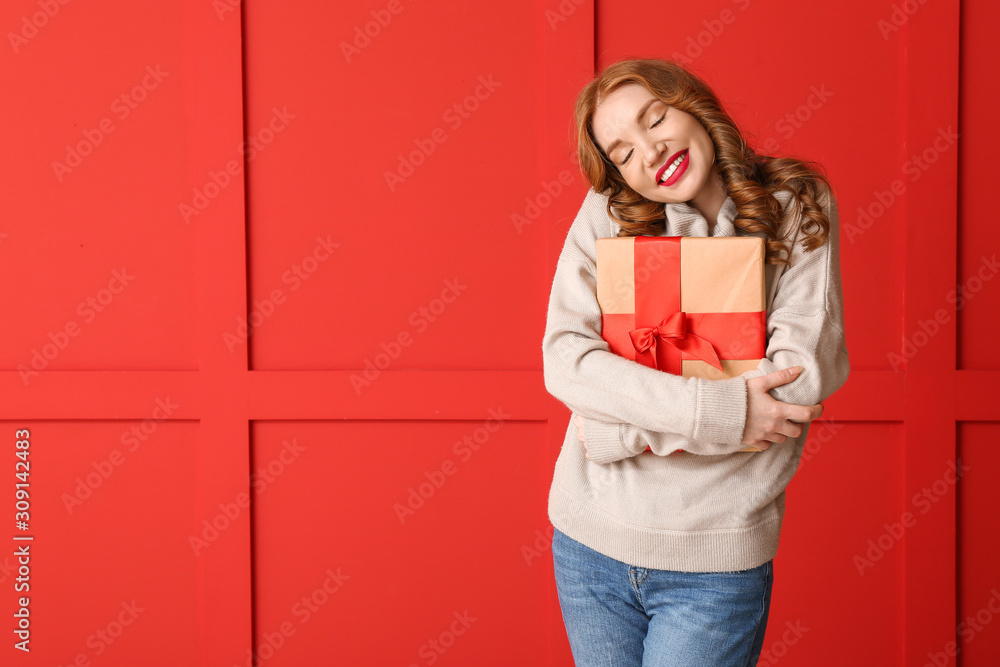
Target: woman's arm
x,y
598,384
805,328
808,329
767,423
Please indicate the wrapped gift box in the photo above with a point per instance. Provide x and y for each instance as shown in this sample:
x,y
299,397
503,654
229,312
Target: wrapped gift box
x,y
687,305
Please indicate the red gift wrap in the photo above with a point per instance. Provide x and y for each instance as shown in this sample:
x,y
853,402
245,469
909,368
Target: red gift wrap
x,y
691,306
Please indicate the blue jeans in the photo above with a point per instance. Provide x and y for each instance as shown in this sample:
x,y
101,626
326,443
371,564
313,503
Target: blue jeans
x,y
617,615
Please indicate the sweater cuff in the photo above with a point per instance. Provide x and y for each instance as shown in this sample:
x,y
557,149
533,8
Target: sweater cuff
x,y
604,441
763,368
721,411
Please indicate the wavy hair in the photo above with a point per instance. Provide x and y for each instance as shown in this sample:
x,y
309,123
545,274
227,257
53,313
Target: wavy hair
x,y
749,178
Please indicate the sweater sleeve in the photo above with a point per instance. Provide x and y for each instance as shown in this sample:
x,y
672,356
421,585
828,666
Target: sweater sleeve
x,y
806,324
805,328
596,383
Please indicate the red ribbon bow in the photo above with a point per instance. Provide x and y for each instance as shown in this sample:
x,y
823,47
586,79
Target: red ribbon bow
x,y
673,329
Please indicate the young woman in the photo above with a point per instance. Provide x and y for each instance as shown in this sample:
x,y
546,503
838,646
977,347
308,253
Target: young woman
x,y
667,559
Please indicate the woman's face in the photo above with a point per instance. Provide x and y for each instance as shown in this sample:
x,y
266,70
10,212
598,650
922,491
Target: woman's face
x,y
663,153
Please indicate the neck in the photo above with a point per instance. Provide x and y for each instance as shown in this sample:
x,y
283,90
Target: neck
x,y
709,201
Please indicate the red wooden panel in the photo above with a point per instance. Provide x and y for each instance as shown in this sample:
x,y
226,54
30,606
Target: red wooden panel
x,y
446,270
977,290
92,237
413,150
977,640
931,70
839,569
402,542
127,253
977,396
109,572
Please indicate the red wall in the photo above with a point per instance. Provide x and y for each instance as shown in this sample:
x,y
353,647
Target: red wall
x,y
381,189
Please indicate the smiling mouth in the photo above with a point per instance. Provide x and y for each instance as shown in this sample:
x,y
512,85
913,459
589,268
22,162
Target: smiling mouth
x,y
668,170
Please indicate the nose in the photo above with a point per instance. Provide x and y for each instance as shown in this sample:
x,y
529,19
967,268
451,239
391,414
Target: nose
x,y
651,151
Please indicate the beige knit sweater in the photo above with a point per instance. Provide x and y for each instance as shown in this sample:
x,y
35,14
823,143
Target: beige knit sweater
x,y
712,508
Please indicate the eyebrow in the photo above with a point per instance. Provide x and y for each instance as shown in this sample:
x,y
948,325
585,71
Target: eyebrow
x,y
638,117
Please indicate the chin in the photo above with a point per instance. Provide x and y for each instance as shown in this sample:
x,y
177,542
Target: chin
x,y
674,197
654,196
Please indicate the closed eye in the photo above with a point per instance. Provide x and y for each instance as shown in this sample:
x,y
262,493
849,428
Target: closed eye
x,y
658,121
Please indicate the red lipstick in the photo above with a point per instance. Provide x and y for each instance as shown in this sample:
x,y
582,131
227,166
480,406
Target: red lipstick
x,y
678,172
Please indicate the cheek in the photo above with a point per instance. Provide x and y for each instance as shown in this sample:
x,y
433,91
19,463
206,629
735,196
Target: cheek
x,y
708,148
634,183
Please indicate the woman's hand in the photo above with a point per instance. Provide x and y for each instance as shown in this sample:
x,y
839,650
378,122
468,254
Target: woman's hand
x,y
578,420
772,421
